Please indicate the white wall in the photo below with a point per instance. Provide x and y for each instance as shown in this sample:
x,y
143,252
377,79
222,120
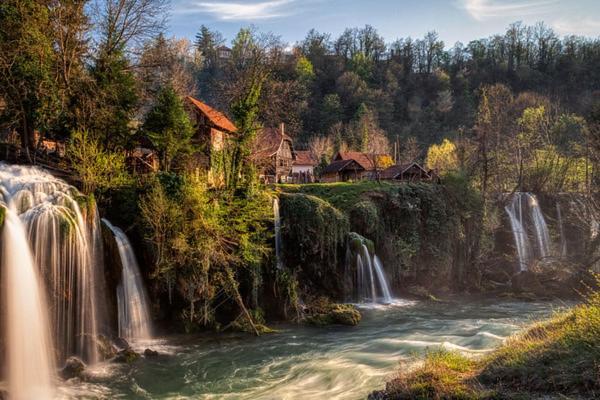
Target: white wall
x,y
296,169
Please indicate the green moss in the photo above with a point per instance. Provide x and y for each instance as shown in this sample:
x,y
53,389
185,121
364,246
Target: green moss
x,y
2,215
334,314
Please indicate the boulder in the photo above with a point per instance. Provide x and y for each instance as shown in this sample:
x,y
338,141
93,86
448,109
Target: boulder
x,y
105,347
149,353
74,368
126,356
332,314
121,343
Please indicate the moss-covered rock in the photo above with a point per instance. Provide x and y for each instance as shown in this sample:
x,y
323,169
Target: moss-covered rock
x,y
126,356
314,235
322,312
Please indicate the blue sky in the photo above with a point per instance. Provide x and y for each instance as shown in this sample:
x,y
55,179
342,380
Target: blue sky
x,y
454,20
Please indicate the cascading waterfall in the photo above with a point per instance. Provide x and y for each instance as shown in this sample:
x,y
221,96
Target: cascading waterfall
x,y
62,239
277,224
520,202
368,277
132,299
28,348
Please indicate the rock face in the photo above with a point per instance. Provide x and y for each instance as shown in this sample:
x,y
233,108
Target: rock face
x,y
74,368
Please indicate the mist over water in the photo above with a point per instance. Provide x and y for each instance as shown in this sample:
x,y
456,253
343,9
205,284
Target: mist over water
x,y
313,363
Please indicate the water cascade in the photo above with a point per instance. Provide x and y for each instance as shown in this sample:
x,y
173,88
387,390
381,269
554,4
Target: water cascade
x,y
50,230
29,367
132,300
365,272
277,224
524,211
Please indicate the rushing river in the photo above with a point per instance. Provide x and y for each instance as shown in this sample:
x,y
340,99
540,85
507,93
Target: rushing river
x,y
309,363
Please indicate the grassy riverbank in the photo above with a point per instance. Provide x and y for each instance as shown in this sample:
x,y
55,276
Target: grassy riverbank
x,y
558,358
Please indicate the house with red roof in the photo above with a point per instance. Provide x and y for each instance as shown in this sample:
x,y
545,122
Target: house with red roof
x,y
364,166
213,129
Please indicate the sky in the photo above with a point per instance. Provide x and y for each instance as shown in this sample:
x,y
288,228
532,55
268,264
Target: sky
x,y
454,20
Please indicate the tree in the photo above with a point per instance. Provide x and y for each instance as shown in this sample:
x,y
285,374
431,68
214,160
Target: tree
x,y
97,168
168,126
26,67
443,157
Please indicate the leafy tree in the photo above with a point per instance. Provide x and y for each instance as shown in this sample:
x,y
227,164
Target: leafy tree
x,y
97,168
442,157
168,126
26,67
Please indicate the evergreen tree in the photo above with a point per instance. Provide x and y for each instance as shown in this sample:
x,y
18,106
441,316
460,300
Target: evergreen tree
x,y
168,126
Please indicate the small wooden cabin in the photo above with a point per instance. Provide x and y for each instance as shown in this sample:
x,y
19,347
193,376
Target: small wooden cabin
x,y
343,171
411,172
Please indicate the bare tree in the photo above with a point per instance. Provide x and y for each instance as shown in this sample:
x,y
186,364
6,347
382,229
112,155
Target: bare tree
x,y
123,23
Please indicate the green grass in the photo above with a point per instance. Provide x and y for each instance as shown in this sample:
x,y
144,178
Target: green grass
x,y
560,356
342,195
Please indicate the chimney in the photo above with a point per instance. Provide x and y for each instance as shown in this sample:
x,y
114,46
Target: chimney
x,y
282,128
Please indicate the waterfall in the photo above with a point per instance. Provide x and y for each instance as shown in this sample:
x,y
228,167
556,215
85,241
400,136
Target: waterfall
x,y
385,290
563,239
277,224
28,349
60,233
132,300
367,276
519,222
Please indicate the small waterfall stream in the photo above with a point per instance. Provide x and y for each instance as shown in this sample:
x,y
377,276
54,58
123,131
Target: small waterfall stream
x,y
132,300
369,283
520,221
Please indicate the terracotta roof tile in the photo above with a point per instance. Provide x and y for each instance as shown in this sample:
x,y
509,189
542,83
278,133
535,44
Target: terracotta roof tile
x,y
216,117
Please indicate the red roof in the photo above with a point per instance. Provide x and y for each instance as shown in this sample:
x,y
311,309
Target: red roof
x,y
304,157
214,116
363,159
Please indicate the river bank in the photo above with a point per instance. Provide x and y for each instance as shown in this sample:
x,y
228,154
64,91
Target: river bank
x,y
555,358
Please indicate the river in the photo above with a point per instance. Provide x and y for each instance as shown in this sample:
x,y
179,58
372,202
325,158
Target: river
x,y
309,363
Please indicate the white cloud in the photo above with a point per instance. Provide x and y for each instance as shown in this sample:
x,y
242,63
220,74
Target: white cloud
x,y
583,27
488,9
241,11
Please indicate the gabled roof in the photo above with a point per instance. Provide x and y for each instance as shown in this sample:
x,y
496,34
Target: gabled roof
x,y
395,170
214,116
340,165
361,158
268,141
305,157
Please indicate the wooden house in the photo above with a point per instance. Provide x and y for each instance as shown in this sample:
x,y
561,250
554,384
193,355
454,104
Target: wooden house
x,y
212,130
273,153
411,172
343,171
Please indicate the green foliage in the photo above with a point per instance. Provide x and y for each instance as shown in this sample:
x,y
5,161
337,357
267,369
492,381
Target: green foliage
x,y
27,59
97,168
168,126
115,100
